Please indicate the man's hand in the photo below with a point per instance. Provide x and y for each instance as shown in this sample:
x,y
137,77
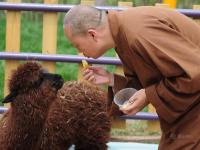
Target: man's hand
x,y
98,75
136,103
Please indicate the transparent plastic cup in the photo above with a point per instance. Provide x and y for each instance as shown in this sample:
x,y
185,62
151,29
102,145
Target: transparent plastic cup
x,y
122,96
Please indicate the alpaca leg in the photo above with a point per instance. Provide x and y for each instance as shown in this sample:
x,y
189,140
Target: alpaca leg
x,y
54,144
91,143
95,137
55,138
57,133
94,146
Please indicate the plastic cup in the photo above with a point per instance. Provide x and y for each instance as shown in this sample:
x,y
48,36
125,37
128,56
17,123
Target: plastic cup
x,y
122,96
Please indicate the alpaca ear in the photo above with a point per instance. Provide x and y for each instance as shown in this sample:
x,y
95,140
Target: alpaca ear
x,y
10,97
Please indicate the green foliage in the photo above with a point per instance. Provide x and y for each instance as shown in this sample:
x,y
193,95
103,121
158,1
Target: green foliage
x,y
2,31
31,35
2,64
134,128
187,3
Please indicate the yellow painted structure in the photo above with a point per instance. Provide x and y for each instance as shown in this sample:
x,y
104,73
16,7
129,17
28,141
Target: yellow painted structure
x,y
172,3
49,41
13,24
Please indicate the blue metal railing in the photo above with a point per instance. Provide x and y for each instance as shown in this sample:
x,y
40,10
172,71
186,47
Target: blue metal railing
x,y
58,58
65,8
139,116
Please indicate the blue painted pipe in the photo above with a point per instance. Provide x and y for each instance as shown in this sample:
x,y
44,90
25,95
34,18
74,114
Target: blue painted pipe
x,y
139,116
142,116
58,58
3,109
65,8
45,7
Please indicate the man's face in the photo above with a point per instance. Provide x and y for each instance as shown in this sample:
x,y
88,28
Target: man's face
x,y
88,44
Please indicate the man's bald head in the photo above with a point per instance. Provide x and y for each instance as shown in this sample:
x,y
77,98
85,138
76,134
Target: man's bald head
x,y
80,18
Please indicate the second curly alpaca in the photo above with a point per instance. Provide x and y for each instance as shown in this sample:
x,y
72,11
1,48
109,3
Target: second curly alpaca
x,y
79,117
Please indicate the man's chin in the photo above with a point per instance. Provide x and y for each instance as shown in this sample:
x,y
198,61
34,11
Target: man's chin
x,y
95,57
87,56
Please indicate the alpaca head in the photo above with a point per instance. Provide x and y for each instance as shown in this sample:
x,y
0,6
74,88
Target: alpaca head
x,y
31,76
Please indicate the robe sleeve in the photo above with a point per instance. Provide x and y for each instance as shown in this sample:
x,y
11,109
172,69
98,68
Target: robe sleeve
x,y
130,80
120,82
178,60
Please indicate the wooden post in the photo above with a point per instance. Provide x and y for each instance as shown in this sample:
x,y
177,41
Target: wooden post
x,y
117,123
125,4
172,3
100,2
49,42
162,5
80,67
88,2
197,7
13,23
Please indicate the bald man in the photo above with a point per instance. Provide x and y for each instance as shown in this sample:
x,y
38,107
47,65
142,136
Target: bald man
x,y
160,52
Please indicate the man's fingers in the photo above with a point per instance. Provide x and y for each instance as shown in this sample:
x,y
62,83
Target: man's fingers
x,y
131,101
136,103
86,71
131,106
91,78
88,75
131,111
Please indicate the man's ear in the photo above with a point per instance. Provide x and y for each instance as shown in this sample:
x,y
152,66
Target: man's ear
x,y
10,97
93,33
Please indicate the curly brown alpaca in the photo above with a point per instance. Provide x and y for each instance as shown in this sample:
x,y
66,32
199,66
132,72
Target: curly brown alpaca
x,y
78,117
38,119
31,93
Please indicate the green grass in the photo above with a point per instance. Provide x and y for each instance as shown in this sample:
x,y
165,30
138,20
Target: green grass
x,y
1,78
134,128
2,47
2,31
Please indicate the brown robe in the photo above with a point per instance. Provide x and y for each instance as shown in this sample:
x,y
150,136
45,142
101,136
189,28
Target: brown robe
x,y
160,52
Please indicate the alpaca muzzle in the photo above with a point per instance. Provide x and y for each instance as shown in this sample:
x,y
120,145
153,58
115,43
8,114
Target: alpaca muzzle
x,y
56,79
58,83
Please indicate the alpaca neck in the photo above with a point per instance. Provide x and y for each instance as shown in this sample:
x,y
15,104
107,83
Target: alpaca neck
x,y
26,120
